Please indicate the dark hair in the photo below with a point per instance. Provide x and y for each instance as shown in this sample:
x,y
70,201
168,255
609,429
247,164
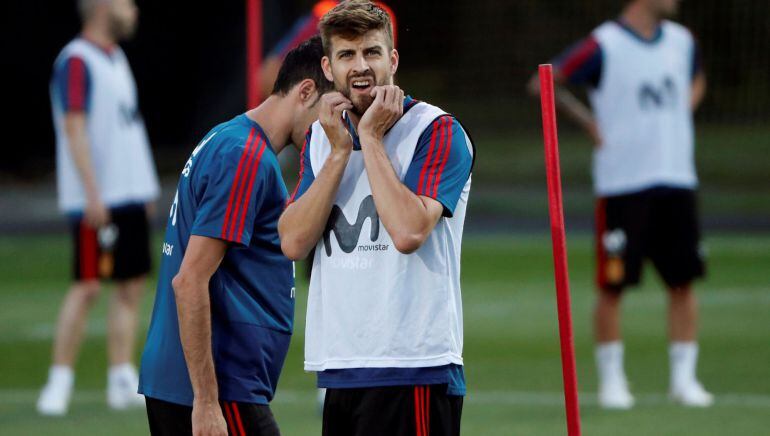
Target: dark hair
x,y
303,62
353,18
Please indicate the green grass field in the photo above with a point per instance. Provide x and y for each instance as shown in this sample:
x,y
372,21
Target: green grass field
x,y
511,345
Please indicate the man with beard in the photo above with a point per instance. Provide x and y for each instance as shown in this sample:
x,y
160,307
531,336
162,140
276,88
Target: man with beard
x,y
106,178
382,197
645,81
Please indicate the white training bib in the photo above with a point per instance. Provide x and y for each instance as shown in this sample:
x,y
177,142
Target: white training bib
x,y
369,305
642,108
120,150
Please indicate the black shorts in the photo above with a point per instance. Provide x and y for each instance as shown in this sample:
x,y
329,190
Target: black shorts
x,y
117,251
659,224
397,410
243,419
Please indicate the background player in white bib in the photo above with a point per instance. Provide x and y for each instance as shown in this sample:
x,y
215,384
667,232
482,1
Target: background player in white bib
x,y
105,179
644,80
382,197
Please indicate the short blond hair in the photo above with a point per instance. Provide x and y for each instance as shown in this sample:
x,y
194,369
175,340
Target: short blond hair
x,y
352,19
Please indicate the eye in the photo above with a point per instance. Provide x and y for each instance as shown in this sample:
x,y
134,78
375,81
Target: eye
x,y
345,55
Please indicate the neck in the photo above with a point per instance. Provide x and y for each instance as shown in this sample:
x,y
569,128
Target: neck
x,y
98,34
354,119
274,115
641,18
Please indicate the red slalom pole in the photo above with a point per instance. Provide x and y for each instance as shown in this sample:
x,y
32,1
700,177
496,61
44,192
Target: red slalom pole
x,y
253,51
558,237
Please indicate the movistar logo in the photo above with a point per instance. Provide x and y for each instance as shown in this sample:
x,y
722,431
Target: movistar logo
x,y
347,234
658,97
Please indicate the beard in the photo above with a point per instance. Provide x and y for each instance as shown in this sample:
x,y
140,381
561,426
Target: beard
x,y
361,102
122,29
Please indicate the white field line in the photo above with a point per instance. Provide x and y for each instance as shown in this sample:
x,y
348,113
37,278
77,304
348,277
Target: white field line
x,y
484,398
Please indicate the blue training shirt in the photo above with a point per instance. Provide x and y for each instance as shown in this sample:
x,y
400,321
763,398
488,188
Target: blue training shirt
x,y
446,187
230,189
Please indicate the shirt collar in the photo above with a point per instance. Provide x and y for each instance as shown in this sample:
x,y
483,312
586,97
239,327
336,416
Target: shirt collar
x,y
409,103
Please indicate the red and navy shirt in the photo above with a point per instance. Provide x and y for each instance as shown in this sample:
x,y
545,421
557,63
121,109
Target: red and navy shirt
x,y
230,189
72,81
581,63
72,84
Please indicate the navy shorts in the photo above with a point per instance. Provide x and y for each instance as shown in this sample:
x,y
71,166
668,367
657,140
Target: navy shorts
x,y
392,410
118,251
659,224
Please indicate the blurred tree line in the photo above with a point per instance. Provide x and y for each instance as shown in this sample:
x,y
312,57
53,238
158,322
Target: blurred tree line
x,y
473,57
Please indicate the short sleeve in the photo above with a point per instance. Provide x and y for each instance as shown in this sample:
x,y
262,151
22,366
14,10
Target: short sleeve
x,y
303,29
230,190
306,176
581,64
441,164
697,59
72,84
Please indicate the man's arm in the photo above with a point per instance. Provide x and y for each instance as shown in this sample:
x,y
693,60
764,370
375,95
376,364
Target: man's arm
x,y
72,85
699,85
566,101
191,289
407,217
303,222
96,214
580,64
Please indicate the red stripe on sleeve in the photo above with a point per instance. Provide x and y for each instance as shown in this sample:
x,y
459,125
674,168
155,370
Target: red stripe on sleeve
x,y
247,198
444,160
427,160
234,187
76,84
242,187
439,153
579,56
238,418
229,419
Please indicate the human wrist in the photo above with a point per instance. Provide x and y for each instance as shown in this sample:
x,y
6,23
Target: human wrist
x,y
206,400
369,138
340,154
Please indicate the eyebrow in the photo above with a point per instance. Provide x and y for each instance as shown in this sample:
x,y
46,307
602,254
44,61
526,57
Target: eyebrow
x,y
344,51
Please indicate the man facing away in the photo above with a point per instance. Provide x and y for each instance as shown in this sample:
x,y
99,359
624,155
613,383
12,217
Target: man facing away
x,y
224,307
644,79
105,179
382,198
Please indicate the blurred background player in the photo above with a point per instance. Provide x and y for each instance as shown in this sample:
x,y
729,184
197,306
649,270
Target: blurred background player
x,y
384,317
645,80
224,307
106,178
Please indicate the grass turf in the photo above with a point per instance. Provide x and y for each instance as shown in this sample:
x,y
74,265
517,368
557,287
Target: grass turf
x,y
511,344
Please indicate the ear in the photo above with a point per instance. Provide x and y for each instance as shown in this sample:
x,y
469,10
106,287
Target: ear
x,y
393,61
307,90
326,65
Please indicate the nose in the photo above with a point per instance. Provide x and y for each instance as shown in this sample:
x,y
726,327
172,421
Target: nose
x,y
361,65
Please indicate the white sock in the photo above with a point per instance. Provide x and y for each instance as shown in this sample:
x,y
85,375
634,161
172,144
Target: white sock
x,y
609,362
124,371
683,357
61,375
